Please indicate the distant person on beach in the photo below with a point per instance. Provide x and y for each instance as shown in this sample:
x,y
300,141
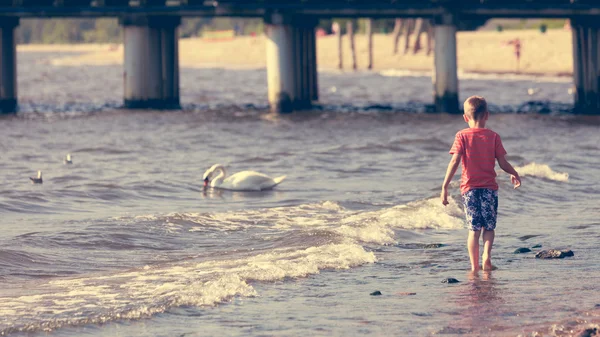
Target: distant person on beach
x,y
516,43
478,148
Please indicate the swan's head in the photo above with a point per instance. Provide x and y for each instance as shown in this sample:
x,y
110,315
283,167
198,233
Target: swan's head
x,y
209,173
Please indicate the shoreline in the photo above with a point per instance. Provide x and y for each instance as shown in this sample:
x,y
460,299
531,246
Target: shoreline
x,y
479,52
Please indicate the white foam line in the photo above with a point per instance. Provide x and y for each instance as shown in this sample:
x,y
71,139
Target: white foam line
x,y
481,76
142,293
542,171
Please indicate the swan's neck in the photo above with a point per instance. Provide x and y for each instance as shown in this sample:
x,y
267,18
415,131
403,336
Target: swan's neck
x,y
218,180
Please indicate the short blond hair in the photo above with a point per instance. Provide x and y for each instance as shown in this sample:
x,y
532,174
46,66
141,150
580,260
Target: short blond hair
x,y
475,107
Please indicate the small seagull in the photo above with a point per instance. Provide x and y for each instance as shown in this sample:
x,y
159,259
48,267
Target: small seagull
x,y
533,91
37,180
68,159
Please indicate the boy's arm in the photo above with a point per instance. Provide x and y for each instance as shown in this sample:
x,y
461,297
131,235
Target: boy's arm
x,y
507,167
452,167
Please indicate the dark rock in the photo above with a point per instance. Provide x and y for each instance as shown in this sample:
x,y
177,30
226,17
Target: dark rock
x,y
450,280
597,306
434,245
527,237
421,245
378,107
522,250
554,254
375,293
537,246
589,332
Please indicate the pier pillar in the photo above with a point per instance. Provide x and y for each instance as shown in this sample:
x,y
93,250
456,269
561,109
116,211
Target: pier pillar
x,y
291,62
445,76
586,64
8,65
151,65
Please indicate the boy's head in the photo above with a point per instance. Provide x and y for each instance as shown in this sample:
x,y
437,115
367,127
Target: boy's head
x,y
475,108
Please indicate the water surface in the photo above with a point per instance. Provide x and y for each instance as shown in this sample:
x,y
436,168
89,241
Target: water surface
x,y
126,242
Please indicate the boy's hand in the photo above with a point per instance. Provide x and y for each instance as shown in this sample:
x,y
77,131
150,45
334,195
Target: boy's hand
x,y
444,196
516,180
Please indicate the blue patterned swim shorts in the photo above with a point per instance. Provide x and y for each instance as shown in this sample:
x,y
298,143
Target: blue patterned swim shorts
x,y
481,208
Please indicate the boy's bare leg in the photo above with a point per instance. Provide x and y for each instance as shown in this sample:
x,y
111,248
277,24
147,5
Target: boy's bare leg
x,y
473,246
488,242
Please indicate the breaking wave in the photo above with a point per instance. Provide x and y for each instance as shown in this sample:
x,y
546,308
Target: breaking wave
x,y
150,290
542,171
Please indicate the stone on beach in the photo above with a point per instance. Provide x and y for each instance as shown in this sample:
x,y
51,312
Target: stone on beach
x,y
527,237
434,245
554,254
450,280
589,332
522,250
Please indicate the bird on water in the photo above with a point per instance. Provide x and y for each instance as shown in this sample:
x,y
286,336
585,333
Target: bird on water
x,y
68,159
216,177
37,180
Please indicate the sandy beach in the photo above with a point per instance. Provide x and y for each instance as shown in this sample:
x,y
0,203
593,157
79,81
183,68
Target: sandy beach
x,y
481,51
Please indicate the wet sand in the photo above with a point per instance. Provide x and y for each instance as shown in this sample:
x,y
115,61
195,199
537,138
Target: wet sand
x,y
481,51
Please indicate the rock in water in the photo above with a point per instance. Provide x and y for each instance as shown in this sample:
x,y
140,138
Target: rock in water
x,y
450,280
554,254
522,250
537,246
589,332
434,245
527,237
375,293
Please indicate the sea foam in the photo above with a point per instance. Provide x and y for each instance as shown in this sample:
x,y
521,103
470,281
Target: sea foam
x,y
150,290
542,171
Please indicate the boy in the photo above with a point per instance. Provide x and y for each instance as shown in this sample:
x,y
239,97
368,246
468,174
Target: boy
x,y
478,149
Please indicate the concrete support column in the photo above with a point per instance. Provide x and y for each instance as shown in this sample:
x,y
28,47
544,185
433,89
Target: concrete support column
x,y
445,76
291,62
151,66
8,65
586,65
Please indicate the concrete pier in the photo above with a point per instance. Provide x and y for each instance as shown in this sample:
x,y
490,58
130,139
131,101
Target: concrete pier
x,y
445,76
151,66
291,62
8,65
586,65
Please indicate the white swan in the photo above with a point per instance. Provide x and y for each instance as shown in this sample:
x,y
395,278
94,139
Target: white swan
x,y
216,177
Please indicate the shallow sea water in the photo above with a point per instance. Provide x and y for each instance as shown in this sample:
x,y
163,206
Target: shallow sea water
x,y
127,242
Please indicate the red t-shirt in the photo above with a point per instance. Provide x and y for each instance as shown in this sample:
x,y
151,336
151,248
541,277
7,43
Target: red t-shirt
x,y
479,148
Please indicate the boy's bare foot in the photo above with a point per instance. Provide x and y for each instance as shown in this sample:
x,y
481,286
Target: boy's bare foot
x,y
487,263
